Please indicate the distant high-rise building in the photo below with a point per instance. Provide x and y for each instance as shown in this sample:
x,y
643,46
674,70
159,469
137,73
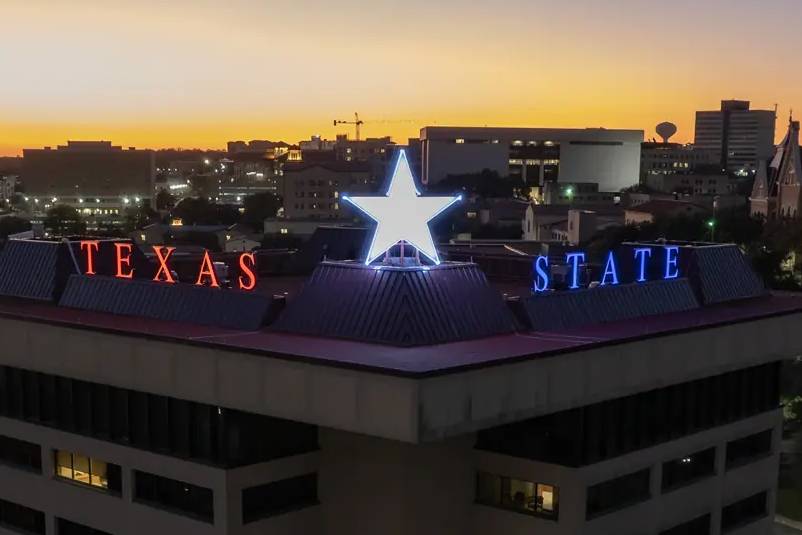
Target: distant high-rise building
x,y
95,177
740,136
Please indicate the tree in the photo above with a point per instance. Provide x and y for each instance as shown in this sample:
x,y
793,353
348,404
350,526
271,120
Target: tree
x,y
199,211
259,207
164,200
138,217
487,184
63,220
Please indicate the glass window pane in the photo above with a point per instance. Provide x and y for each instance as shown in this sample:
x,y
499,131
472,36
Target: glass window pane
x,y
546,498
99,474
64,464
80,465
522,494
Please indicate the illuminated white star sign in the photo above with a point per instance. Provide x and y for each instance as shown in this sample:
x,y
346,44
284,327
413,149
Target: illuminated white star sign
x,y
402,214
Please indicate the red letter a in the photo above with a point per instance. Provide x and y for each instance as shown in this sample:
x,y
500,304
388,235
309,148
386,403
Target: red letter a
x,y
207,270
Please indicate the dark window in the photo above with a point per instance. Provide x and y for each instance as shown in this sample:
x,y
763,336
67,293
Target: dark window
x,y
203,433
174,495
697,526
279,497
517,495
689,468
749,448
743,512
20,454
618,493
65,527
20,518
601,431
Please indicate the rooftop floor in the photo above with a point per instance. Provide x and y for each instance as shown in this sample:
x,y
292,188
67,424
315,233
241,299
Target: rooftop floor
x,y
415,361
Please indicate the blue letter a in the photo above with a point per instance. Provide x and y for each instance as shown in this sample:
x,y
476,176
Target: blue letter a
x,y
610,270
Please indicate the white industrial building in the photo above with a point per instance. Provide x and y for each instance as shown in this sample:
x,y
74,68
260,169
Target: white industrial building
x,y
608,157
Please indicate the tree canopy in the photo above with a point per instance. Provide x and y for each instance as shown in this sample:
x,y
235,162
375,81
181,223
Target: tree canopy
x,y
63,220
259,207
199,211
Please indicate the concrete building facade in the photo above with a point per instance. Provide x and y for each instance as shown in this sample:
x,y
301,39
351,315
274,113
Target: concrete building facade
x,y
610,158
128,423
313,190
94,177
740,136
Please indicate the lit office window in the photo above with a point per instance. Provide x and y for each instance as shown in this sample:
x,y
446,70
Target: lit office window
x,y
516,494
459,141
87,471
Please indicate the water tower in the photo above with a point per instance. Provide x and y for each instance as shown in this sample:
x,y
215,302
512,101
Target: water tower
x,y
665,130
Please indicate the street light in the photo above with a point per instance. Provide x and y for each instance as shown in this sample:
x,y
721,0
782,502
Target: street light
x,y
711,223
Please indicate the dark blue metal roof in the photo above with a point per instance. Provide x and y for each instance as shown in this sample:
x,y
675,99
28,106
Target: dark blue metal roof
x,y
561,310
397,306
723,273
35,269
717,272
177,302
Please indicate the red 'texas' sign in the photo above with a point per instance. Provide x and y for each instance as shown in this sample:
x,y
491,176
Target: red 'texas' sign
x,y
207,276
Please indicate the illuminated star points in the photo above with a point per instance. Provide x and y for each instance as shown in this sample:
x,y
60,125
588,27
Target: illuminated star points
x,y
402,214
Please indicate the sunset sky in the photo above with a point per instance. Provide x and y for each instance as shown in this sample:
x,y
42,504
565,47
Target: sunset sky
x,y
199,73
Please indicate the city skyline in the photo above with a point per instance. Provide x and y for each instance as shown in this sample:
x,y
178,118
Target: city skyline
x,y
200,74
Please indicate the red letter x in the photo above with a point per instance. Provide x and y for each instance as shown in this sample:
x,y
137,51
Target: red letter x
x,y
162,258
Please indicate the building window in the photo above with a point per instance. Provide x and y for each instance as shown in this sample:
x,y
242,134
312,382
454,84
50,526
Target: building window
x,y
747,449
593,433
20,518
20,454
697,526
618,493
689,468
65,527
173,495
279,497
517,495
169,426
743,512
88,471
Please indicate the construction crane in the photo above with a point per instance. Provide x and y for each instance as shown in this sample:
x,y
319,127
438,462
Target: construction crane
x,y
356,122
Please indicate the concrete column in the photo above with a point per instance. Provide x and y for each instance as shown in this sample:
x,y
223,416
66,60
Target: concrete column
x,y
656,480
127,484
50,524
48,461
721,467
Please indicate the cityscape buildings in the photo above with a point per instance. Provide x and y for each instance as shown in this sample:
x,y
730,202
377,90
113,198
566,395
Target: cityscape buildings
x,y
777,190
608,157
740,136
379,387
95,177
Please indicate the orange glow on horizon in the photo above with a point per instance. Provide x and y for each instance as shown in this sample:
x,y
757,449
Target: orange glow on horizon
x,y
198,74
